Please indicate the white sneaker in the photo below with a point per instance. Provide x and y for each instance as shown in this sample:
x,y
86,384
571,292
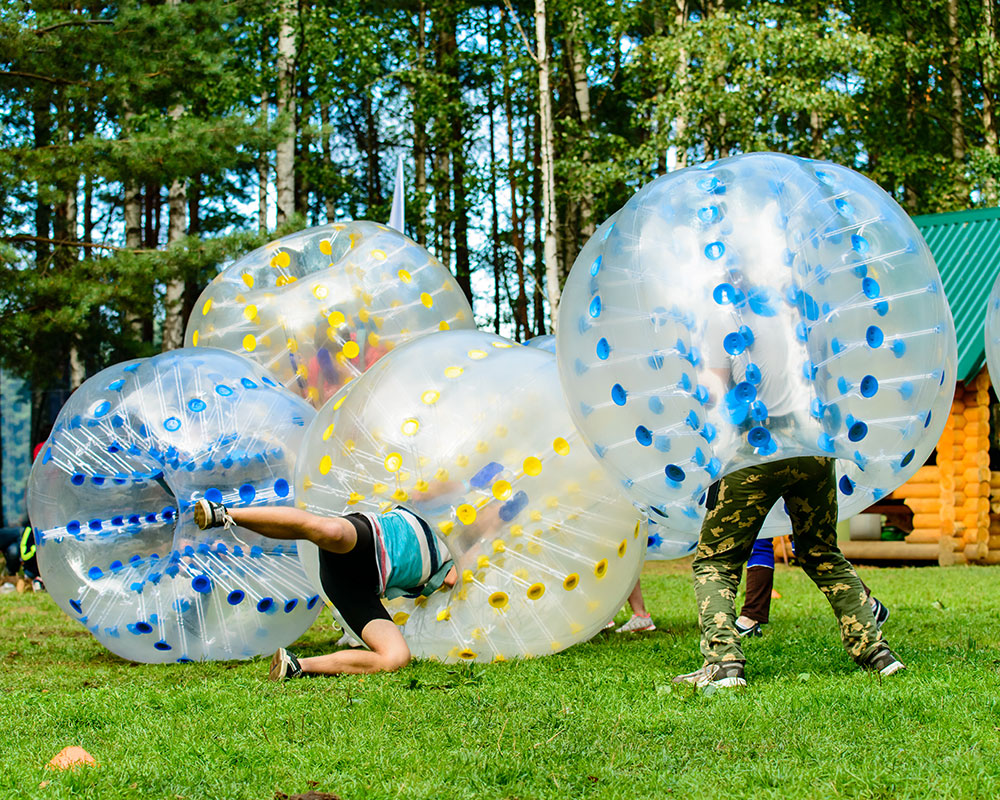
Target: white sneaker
x,y
637,624
728,675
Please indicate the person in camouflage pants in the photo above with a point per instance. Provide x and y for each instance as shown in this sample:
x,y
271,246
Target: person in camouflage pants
x,y
737,506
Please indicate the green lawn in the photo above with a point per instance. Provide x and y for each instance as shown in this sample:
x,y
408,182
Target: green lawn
x,y
599,720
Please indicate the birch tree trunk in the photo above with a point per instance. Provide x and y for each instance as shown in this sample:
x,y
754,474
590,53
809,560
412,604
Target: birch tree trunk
x,y
680,122
581,90
420,132
990,138
173,299
547,134
958,147
284,162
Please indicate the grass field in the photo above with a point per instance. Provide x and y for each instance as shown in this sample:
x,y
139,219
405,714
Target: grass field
x,y
600,720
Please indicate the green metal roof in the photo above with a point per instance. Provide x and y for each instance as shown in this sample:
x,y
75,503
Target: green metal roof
x,y
966,246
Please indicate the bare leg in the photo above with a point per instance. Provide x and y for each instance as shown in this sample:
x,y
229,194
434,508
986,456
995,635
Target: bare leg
x,y
635,600
389,652
335,534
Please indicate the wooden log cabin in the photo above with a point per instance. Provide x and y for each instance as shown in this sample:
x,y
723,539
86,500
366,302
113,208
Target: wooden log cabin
x,y
951,506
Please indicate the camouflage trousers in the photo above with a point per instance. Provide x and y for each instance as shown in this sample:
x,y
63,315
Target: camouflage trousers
x,y
737,507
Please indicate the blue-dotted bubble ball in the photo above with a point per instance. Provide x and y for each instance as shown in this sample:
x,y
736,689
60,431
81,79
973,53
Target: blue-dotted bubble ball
x,y
754,309
469,431
320,306
111,495
992,331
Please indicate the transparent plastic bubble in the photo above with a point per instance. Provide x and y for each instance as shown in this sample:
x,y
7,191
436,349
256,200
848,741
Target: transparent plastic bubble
x,y
992,332
755,309
320,306
111,494
469,431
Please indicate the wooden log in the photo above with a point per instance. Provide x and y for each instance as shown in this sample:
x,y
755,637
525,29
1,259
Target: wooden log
x,y
924,536
990,557
976,413
888,551
957,421
932,474
919,490
976,552
926,521
946,551
993,542
976,474
923,505
982,381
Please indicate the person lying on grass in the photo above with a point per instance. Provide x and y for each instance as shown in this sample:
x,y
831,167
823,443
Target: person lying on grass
x,y
362,558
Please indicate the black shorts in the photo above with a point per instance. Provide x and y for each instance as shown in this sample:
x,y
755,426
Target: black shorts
x,y
350,580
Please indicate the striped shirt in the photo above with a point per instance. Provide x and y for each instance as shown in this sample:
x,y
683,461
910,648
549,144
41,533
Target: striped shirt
x,y
409,557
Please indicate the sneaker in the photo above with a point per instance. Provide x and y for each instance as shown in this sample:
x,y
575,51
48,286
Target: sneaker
x,y
727,675
748,631
37,585
211,515
883,661
7,588
611,624
637,624
284,665
880,611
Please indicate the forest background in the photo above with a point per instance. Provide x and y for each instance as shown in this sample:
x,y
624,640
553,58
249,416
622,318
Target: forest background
x,y
145,144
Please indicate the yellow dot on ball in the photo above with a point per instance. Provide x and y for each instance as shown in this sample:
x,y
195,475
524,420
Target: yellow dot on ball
x,y
638,527
482,447
426,299
250,312
404,276
351,349
601,567
466,513
535,591
378,255
477,355
499,546
339,402
622,548
393,462
482,562
410,427
373,339
462,460
325,247
516,530
501,490
336,318
355,498
400,617
453,372
446,527
328,432
498,600
503,345
292,345
207,307
325,463
561,446
363,314
320,291
444,326
430,397
379,488
571,582
444,614
400,496
249,343
421,486
532,466
441,475
248,279
194,339
467,654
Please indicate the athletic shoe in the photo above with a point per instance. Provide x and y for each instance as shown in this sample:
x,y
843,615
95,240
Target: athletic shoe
x,y
880,611
7,588
211,515
37,585
748,631
637,624
611,624
727,675
284,665
883,661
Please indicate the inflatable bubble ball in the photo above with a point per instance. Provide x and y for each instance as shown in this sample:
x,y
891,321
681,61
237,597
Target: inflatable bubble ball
x,y
111,494
753,309
320,306
469,431
992,331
